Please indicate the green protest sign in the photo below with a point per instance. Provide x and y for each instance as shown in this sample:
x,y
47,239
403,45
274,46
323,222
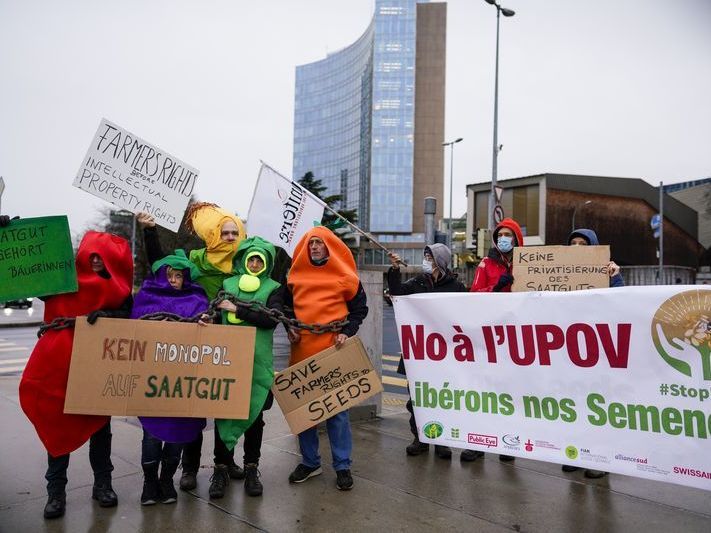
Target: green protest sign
x,y
36,258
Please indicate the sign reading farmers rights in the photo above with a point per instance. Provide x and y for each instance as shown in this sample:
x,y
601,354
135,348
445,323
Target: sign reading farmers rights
x,y
36,258
325,384
135,175
145,368
617,380
560,268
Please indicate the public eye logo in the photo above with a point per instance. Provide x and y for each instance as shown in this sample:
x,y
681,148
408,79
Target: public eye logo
x,y
571,452
681,332
433,430
511,440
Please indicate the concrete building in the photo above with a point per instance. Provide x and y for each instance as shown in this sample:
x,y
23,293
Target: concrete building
x,y
369,119
619,209
697,195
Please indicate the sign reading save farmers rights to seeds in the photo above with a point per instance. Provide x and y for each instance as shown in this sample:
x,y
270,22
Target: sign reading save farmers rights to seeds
x,y
560,268
36,258
136,175
146,368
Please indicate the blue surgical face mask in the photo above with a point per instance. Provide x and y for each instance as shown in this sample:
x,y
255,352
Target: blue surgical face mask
x,y
426,266
505,244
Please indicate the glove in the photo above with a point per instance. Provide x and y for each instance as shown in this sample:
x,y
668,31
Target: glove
x,y
94,315
504,281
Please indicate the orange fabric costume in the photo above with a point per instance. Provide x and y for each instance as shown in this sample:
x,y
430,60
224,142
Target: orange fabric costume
x,y
320,292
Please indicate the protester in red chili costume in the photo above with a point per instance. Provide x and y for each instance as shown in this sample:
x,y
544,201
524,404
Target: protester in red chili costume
x,y
105,275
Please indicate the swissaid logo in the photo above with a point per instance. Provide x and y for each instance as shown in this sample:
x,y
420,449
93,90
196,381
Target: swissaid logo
x,y
681,333
692,472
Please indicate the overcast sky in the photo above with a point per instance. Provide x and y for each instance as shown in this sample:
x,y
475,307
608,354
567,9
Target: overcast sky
x,y
601,87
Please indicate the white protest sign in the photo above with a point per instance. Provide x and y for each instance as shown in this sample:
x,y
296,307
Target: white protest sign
x,y
617,380
136,175
282,211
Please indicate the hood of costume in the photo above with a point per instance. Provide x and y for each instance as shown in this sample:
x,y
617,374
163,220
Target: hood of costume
x,y
206,221
157,295
256,287
320,293
44,381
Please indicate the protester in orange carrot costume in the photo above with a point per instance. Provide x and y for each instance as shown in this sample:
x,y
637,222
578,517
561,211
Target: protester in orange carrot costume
x,y
105,275
323,286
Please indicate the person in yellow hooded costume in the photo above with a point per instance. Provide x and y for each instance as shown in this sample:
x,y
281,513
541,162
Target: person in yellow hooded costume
x,y
323,286
222,233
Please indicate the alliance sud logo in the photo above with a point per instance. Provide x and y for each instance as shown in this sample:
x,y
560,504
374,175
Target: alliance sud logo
x,y
681,332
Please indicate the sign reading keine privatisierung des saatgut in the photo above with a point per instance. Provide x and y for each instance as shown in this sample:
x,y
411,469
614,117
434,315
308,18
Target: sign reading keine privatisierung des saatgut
x,y
617,380
136,175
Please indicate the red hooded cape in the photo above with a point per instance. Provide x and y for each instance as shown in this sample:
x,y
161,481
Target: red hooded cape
x,y
44,381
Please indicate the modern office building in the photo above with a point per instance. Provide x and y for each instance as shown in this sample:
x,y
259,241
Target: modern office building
x,y
369,119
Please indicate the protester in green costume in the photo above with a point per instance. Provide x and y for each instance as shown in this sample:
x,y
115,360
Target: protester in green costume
x,y
253,263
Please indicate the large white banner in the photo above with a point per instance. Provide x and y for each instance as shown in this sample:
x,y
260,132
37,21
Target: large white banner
x,y
136,175
282,211
608,379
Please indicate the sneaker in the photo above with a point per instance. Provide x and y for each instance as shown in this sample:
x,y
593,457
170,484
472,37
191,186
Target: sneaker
x,y
443,452
569,468
344,480
595,474
470,455
302,472
219,481
105,495
506,458
417,447
151,492
252,485
56,504
188,481
167,491
235,471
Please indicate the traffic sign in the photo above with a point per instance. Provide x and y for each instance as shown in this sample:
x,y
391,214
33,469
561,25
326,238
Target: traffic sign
x,y
498,214
656,233
499,192
655,221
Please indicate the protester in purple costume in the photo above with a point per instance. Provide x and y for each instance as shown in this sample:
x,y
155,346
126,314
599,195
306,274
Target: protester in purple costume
x,y
170,290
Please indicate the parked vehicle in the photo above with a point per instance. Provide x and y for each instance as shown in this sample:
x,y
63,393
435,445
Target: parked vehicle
x,y
22,303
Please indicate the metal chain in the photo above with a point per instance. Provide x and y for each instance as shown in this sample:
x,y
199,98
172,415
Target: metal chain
x,y
211,313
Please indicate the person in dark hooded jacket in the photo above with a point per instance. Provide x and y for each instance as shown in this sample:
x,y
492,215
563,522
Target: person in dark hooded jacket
x,y
587,237
436,277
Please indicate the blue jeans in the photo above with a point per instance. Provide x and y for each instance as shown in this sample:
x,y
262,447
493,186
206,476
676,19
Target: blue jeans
x,y
339,435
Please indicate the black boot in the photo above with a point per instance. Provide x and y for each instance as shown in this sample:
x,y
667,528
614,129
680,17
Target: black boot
x,y
417,447
252,485
56,503
104,494
443,452
188,481
167,488
151,489
219,481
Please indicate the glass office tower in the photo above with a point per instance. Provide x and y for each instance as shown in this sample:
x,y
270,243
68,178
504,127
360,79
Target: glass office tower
x,y
355,118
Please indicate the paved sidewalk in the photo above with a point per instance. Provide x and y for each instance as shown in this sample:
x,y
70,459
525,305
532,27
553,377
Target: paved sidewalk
x,y
392,492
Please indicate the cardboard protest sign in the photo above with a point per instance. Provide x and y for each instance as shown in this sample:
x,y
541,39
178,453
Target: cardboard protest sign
x,y
36,258
560,268
140,367
136,175
325,384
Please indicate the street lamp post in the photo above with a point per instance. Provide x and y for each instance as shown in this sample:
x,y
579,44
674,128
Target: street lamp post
x,y
492,196
575,209
451,183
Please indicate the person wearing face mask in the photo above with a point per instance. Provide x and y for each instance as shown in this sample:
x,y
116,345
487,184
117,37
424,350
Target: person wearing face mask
x,y
494,272
253,263
222,233
323,286
436,276
105,277
587,237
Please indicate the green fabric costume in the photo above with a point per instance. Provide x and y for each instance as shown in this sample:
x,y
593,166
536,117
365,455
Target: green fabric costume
x,y
210,277
258,288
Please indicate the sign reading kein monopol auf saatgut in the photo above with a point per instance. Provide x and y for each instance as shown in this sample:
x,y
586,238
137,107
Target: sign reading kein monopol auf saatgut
x,y
136,175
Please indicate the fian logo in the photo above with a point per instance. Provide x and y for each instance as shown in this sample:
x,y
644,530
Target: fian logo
x,y
681,332
571,452
433,430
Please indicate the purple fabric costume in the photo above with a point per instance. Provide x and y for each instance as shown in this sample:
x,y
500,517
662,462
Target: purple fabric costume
x,y
156,295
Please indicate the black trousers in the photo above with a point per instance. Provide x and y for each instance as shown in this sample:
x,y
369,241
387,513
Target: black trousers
x,y
252,444
99,458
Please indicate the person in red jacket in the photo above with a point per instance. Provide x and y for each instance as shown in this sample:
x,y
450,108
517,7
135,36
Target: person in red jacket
x,y
494,272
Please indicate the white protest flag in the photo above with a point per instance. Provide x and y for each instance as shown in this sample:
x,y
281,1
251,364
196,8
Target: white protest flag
x,y
282,211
